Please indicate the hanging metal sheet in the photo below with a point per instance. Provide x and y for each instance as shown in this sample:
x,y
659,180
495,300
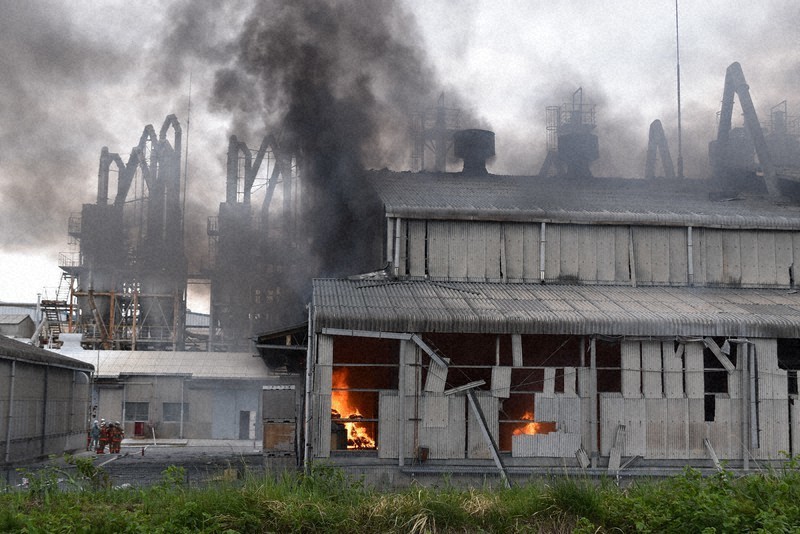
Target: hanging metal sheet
x,y
501,382
437,377
673,369
631,364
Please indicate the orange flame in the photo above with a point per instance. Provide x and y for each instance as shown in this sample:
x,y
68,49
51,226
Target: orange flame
x,y
358,437
527,428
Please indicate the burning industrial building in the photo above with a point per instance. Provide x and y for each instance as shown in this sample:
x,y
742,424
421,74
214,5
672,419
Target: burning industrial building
x,y
427,322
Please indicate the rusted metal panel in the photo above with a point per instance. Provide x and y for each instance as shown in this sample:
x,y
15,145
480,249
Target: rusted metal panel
x,y
673,369
476,443
678,256
767,271
501,382
417,237
693,362
606,253
279,437
447,442
515,251
651,369
631,369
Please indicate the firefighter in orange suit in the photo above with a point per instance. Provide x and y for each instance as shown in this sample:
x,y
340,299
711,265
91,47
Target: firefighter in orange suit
x,y
116,437
104,431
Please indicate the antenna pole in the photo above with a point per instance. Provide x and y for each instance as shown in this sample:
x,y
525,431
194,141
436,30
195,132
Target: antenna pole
x,y
678,58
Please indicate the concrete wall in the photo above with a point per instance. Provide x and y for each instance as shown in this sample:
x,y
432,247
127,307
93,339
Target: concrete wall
x,y
212,407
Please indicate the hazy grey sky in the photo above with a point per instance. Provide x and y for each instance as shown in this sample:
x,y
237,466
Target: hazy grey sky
x,y
77,76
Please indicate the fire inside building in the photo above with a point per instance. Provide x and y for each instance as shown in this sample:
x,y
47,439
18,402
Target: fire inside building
x,y
513,324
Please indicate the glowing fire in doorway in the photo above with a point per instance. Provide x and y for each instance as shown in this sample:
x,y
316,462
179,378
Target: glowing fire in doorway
x,y
343,408
528,428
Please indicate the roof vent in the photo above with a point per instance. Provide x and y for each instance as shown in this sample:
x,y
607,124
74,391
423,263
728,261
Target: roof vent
x,y
474,147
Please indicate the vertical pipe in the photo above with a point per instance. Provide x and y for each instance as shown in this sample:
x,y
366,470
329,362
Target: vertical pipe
x,y
690,254
595,435
745,389
10,415
397,228
542,241
183,382
309,383
401,399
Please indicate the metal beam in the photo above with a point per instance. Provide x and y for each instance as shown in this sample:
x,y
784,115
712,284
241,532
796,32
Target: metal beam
x,y
473,402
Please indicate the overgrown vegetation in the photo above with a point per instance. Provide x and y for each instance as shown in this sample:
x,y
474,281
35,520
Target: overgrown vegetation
x,y
82,499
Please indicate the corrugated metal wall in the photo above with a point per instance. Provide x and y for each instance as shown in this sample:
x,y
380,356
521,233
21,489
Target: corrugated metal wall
x,y
487,251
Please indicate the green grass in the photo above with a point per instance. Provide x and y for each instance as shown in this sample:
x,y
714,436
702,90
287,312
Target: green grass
x,y
327,500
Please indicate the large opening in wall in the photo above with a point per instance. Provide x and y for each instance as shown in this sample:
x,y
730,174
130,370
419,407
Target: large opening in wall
x,y
715,376
609,365
545,365
361,368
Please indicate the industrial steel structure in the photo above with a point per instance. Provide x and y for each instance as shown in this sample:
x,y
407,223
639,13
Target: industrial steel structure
x,y
125,286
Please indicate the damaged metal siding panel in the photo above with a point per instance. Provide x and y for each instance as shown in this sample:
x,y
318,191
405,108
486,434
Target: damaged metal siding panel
x,y
784,257
447,442
516,350
652,369
725,431
631,369
773,400
437,377
549,384
673,369
476,443
494,245
615,411
501,382
564,411
622,261
552,260
570,379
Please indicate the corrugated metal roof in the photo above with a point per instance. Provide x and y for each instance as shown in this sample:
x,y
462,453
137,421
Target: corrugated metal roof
x,y
426,306
206,365
597,200
17,350
14,318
